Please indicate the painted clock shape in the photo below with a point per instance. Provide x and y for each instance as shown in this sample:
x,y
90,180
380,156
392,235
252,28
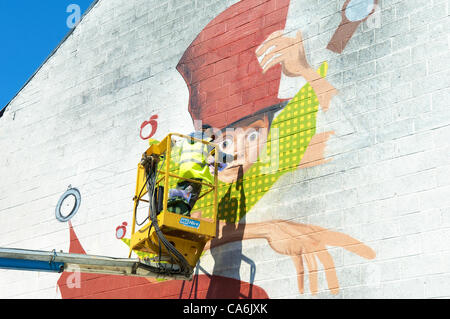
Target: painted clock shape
x,y
68,205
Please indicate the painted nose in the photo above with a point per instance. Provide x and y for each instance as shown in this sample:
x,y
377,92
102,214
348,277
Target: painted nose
x,y
239,153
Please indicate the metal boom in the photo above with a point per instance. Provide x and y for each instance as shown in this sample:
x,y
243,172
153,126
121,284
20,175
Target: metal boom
x,y
36,260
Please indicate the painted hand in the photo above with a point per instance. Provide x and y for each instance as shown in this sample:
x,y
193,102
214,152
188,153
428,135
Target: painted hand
x,y
315,152
287,51
290,53
305,243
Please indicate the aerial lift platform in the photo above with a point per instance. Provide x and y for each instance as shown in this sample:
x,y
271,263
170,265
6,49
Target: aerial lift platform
x,y
172,242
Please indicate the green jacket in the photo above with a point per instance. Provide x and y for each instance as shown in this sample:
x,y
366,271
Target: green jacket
x,y
193,161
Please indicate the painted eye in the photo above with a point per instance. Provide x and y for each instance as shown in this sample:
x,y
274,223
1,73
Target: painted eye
x,y
252,137
226,144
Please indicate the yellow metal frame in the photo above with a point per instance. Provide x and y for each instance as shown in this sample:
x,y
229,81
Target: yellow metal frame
x,y
189,241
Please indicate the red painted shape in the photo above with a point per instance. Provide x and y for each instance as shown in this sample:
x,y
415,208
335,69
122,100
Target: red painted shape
x,y
122,227
121,287
227,46
154,125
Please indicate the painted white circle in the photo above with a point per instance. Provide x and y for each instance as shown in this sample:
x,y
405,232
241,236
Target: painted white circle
x,y
359,9
67,205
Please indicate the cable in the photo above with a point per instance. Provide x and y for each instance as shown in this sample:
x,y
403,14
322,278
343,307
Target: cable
x,y
150,164
137,204
185,268
140,193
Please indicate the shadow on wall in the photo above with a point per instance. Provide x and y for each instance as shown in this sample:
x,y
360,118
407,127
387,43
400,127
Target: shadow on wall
x,y
231,258
228,260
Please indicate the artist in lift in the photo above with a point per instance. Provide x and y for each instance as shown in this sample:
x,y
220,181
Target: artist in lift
x,y
196,163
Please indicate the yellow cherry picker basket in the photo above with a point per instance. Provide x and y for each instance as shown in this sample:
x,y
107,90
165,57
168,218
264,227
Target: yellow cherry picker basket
x,y
174,242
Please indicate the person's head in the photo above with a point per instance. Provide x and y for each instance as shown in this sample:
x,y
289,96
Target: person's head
x,y
207,132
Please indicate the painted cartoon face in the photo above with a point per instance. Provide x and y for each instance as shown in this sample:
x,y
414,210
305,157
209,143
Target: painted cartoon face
x,y
244,141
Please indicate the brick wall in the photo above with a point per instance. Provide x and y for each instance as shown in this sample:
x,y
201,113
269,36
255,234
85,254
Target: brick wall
x,y
375,172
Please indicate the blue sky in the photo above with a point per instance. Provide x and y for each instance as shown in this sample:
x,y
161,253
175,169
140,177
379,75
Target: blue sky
x,y
29,31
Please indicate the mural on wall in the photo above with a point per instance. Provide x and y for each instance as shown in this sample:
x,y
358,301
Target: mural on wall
x,y
233,71
230,88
